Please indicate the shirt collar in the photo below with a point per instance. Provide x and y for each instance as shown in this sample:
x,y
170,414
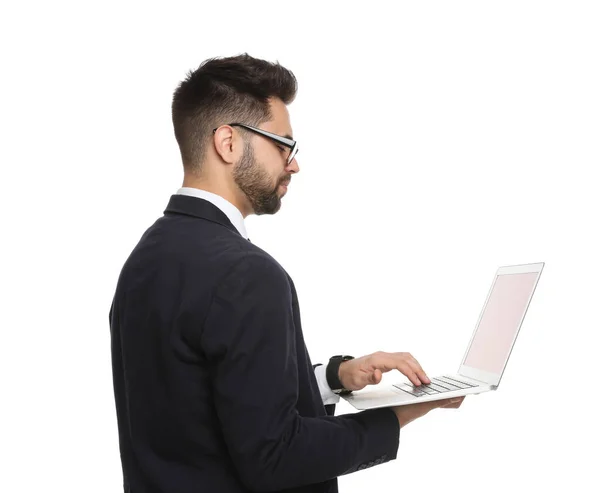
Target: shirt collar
x,y
230,210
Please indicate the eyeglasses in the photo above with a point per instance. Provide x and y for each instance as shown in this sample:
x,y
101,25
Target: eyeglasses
x,y
284,141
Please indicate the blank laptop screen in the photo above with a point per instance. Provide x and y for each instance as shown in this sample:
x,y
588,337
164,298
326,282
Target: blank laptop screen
x,y
500,321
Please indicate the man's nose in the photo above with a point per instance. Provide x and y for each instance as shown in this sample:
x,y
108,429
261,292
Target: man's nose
x,y
293,166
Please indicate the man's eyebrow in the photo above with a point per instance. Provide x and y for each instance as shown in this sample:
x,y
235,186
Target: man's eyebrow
x,y
288,136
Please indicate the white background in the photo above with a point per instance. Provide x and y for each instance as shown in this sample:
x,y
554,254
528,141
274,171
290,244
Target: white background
x,y
439,140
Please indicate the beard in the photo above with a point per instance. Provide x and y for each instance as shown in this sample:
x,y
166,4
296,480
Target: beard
x,y
257,184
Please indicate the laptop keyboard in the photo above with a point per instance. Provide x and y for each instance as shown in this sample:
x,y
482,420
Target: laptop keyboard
x,y
438,385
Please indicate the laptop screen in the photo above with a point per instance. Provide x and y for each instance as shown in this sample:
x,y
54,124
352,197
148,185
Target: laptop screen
x,y
500,322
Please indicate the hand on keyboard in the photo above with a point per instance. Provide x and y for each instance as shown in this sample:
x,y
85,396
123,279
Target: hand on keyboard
x,y
357,373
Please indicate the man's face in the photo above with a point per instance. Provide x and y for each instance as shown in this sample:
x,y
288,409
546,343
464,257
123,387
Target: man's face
x,y
262,171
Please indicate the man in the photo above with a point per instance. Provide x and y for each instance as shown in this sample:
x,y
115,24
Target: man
x,y
214,387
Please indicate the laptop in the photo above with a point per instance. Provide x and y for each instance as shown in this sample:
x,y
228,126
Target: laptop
x,y
487,353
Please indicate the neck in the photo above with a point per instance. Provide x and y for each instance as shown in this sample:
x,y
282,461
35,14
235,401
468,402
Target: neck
x,y
228,191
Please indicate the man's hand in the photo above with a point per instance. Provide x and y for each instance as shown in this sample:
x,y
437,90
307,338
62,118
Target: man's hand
x,y
357,373
410,412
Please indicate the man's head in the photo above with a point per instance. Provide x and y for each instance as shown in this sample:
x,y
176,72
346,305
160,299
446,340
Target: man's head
x,y
239,163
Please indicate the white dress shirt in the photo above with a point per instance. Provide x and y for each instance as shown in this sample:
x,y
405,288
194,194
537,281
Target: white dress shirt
x,y
237,219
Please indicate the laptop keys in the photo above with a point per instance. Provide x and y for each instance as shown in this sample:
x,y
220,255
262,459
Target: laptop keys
x,y
409,389
438,385
446,384
422,390
458,383
428,390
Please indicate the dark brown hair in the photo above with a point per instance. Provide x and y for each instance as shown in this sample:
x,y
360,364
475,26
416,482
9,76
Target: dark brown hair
x,y
221,91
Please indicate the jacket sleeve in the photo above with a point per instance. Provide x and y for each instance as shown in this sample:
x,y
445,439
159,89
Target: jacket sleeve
x,y
248,338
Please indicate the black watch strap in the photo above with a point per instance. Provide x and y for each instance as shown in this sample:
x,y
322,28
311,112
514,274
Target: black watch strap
x,y
333,376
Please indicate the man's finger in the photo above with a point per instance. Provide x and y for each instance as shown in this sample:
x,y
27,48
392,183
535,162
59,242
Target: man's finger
x,y
376,377
423,376
406,364
420,372
407,370
416,367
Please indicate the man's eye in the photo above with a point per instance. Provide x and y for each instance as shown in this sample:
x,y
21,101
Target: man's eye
x,y
282,149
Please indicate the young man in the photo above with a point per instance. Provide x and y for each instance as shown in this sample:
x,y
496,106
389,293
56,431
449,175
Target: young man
x,y
214,387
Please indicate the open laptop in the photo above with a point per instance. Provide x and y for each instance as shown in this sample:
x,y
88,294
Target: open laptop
x,y
487,352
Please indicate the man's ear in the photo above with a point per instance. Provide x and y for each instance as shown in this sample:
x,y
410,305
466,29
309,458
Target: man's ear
x,y
225,143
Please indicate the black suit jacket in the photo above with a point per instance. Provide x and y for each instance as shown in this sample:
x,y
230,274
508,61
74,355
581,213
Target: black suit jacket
x,y
214,387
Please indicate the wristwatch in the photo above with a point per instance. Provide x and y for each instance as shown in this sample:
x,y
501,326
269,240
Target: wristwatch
x,y
333,376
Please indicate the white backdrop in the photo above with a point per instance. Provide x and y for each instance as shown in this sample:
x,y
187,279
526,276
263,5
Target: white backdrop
x,y
438,141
